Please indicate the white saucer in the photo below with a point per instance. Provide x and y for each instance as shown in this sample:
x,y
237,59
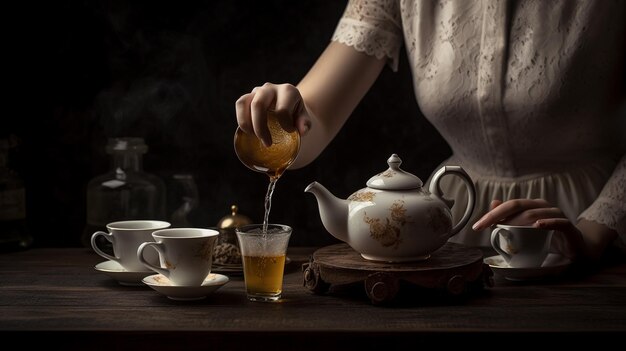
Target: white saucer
x,y
553,265
119,273
161,284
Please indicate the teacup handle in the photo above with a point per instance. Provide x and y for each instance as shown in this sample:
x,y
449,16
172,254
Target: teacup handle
x,y
157,246
94,244
495,243
435,189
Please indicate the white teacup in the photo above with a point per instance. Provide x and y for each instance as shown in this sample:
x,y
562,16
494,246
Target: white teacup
x,y
125,237
521,246
185,254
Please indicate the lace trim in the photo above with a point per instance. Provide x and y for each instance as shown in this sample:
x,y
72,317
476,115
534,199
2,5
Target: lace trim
x,y
370,40
610,207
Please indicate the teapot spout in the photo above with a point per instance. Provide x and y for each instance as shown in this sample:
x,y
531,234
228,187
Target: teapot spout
x,y
333,211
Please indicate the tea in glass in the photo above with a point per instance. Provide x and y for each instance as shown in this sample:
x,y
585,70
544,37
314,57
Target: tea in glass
x,y
264,255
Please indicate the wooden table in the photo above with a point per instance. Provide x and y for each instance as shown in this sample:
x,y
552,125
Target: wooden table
x,y
55,296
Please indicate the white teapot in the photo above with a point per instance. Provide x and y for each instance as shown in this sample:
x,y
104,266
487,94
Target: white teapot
x,y
394,219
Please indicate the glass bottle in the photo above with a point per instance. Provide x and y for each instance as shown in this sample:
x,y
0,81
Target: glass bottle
x,y
14,234
126,191
183,198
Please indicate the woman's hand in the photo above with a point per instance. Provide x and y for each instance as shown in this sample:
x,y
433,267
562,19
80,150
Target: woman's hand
x,y
568,239
284,99
518,212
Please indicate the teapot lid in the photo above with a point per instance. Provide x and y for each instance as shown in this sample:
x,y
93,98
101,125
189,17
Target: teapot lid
x,y
394,178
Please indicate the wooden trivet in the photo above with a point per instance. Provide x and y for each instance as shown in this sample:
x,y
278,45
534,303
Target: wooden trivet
x,y
454,268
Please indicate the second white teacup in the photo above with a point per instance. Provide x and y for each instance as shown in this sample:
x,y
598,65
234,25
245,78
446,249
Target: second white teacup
x,y
521,246
185,254
125,237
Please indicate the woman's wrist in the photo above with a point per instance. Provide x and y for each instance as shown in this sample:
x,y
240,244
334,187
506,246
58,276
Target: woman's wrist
x,y
596,238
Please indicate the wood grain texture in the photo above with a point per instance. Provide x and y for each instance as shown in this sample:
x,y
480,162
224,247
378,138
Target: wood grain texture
x,y
57,294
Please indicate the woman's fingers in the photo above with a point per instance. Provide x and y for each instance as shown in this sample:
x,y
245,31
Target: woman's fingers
x,y
494,203
287,98
506,210
567,239
562,224
262,101
301,119
528,217
288,104
242,111
284,99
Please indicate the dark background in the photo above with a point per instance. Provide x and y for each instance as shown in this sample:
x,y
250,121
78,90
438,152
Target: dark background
x,y
170,72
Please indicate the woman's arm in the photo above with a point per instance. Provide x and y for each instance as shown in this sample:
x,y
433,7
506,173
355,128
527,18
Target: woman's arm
x,y
319,105
331,91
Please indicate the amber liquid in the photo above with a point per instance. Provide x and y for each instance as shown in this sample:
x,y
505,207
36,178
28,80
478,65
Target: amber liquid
x,y
264,275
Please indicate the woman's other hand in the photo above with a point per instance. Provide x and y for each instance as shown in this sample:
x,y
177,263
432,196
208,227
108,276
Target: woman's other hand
x,y
584,240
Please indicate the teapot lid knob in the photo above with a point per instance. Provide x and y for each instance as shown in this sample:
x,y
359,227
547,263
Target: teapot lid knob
x,y
394,178
394,162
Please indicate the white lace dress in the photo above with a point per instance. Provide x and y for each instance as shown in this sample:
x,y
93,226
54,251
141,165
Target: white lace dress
x,y
529,95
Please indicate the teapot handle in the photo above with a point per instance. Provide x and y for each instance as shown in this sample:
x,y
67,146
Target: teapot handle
x,y
435,189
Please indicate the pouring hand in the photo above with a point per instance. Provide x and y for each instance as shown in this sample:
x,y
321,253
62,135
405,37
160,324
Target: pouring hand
x,y
284,99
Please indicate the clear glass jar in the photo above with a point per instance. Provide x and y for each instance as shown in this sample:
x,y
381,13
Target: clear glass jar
x,y
183,199
14,233
126,191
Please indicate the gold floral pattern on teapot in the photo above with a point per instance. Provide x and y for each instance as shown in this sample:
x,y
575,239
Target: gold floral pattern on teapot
x,y
394,219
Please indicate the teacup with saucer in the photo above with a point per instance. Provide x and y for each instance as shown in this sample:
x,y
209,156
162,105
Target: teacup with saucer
x,y
123,276
186,258
125,237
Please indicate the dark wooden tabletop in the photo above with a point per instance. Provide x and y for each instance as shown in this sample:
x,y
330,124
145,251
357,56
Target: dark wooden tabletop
x,y
57,296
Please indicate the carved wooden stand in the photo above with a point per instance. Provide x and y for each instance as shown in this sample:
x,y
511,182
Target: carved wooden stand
x,y
454,269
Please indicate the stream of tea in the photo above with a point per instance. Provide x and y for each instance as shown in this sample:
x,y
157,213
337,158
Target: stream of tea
x,y
263,268
272,160
268,202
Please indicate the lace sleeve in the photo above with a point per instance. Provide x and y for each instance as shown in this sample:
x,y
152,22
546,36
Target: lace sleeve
x,y
372,27
610,207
